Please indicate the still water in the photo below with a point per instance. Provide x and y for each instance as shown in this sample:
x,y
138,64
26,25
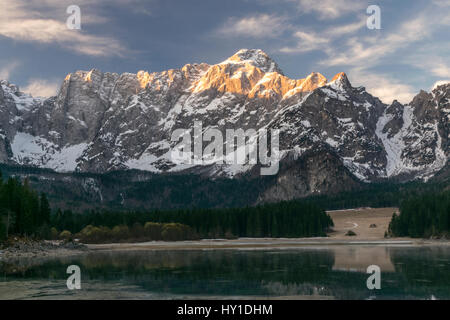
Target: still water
x,y
335,272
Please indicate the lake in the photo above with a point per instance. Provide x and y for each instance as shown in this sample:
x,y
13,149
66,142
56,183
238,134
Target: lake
x,y
320,272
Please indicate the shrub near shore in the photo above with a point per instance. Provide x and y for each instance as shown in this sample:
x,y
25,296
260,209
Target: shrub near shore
x,y
137,233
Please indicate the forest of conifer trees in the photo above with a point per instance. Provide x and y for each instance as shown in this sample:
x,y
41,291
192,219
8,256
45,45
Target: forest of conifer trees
x,y
284,219
423,216
22,210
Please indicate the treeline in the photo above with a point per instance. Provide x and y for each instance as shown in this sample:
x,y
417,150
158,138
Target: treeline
x,y
136,190
22,210
423,216
376,195
284,219
151,231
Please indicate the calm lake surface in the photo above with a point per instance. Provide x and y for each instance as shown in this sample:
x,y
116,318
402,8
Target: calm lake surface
x,y
334,272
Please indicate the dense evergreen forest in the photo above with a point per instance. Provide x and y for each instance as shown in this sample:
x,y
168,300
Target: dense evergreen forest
x,y
377,195
22,210
423,216
143,191
284,219
424,212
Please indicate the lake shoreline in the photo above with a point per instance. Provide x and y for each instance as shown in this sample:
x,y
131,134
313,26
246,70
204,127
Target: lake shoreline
x,y
368,224
262,243
60,249
33,249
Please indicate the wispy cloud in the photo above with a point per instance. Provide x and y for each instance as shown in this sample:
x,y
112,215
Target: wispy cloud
x,y
309,40
442,3
382,86
254,26
433,64
330,9
440,68
364,54
5,72
41,87
22,21
306,41
368,51
345,29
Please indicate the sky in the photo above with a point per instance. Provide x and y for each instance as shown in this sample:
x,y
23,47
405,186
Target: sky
x,y
410,52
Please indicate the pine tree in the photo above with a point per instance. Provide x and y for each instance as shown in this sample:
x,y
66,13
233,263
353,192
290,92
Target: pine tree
x,y
44,210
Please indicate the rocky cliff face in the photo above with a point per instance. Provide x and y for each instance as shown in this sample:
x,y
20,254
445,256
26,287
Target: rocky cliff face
x,y
415,136
101,122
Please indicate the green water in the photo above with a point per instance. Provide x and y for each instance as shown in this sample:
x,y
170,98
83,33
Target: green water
x,y
311,273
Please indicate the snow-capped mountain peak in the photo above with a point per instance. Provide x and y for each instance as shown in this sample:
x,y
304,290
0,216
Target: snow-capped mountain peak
x,y
255,57
102,121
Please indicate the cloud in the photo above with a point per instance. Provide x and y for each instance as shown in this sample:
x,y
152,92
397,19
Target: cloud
x,y
6,71
341,30
330,9
52,31
369,51
344,46
309,41
432,60
387,90
254,26
438,67
306,42
23,22
361,54
364,54
442,3
41,87
382,86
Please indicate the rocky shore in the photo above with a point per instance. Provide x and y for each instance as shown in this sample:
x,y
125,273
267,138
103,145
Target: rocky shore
x,y
24,248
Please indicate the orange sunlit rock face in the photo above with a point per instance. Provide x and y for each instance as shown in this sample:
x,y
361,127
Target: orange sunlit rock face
x,y
240,74
193,71
340,75
228,78
237,75
144,78
273,84
154,79
88,77
246,79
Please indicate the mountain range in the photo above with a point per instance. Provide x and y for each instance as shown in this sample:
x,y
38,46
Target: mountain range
x,y
333,136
